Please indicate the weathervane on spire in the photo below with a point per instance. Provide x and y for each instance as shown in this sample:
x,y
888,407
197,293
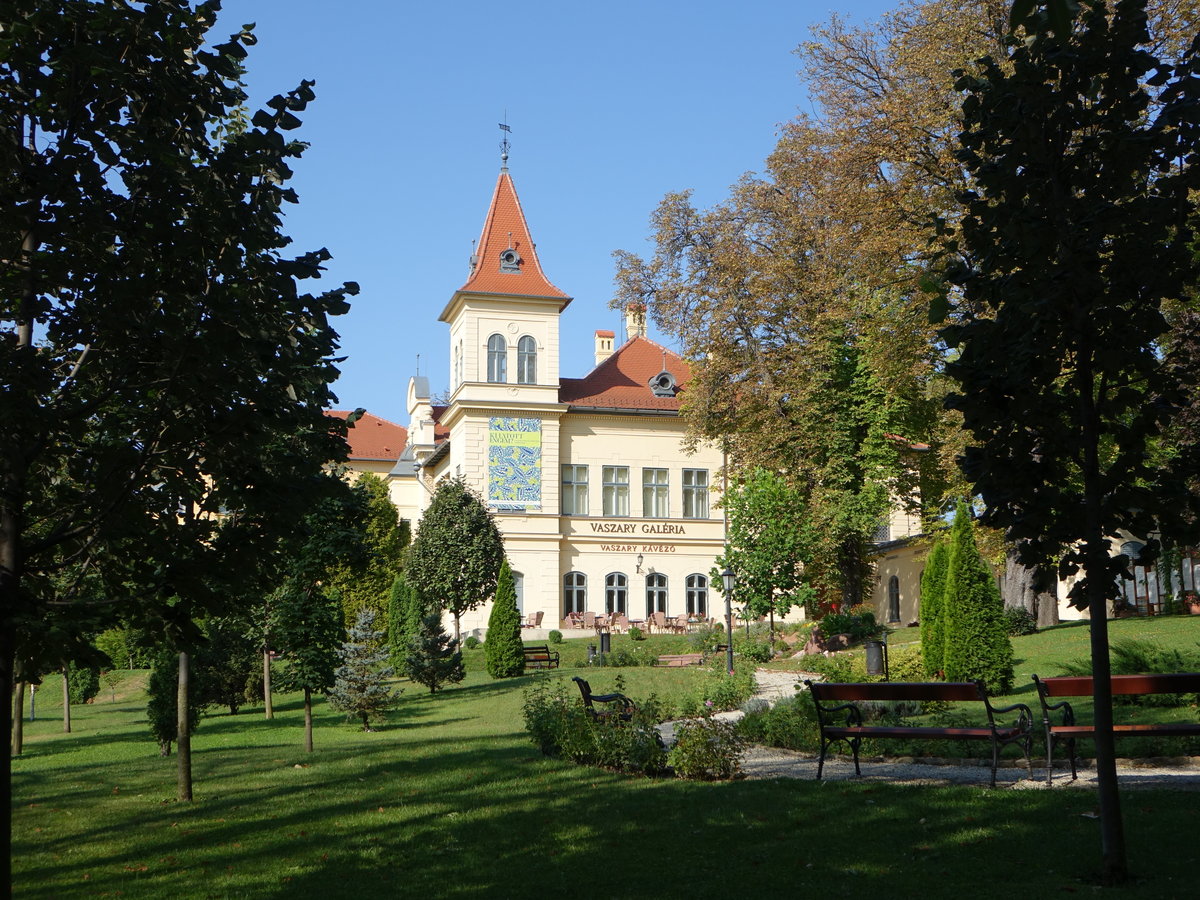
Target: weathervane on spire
x,y
504,145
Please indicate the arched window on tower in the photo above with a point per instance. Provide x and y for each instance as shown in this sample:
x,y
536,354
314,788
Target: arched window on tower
x,y
894,599
526,360
497,352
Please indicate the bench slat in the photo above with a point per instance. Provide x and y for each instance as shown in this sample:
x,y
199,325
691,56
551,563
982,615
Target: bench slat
x,y
1148,728
893,690
915,731
1081,685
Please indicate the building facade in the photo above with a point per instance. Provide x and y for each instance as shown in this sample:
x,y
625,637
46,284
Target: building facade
x,y
600,507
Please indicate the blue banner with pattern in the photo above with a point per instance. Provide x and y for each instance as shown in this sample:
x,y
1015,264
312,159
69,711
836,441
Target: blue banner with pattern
x,y
514,463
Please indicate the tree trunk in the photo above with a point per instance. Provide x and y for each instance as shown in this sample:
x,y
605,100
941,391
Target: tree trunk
x,y
183,736
268,707
308,745
6,797
18,719
456,629
1030,588
1098,582
66,700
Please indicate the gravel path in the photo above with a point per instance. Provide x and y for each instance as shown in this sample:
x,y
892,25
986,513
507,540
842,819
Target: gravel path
x,y
1176,773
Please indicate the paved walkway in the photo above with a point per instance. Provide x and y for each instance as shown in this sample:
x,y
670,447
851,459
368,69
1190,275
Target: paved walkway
x,y
1182,773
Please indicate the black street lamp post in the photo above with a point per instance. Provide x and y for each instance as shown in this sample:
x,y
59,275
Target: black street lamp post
x,y
729,581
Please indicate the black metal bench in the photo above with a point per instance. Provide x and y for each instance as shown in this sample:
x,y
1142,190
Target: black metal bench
x,y
845,697
1122,685
616,705
540,656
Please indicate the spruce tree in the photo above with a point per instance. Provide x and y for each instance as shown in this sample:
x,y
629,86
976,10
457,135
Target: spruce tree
x,y
433,657
361,682
504,650
977,646
933,589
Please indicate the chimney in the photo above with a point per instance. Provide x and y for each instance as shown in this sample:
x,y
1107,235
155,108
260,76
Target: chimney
x,y
635,320
604,345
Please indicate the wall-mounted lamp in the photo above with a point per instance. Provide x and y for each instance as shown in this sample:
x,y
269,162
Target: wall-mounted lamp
x,y
638,566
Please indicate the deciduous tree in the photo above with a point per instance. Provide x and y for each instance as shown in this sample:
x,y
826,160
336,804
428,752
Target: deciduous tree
x,y
455,557
1083,151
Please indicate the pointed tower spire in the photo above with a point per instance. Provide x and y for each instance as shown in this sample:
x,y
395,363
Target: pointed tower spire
x,y
507,262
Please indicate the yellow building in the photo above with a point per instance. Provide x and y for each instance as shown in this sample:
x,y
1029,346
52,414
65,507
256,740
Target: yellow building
x,y
600,508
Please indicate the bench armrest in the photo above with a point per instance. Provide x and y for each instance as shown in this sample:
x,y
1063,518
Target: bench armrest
x,y
613,698
1025,721
1068,711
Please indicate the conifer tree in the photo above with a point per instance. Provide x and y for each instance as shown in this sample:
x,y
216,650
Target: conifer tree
x,y
433,657
400,622
933,589
504,650
361,683
977,646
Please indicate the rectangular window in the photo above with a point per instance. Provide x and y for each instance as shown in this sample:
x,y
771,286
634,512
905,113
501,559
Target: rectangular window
x,y
654,494
695,493
574,490
616,490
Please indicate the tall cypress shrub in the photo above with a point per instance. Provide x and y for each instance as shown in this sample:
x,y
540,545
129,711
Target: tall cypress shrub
x,y
402,620
504,651
977,646
933,589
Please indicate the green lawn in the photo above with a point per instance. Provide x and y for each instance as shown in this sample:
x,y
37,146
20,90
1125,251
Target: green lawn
x,y
450,799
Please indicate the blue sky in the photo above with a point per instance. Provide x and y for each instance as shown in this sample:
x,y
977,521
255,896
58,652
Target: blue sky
x,y
611,106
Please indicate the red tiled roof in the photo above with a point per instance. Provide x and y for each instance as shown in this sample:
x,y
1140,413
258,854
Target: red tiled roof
x,y
505,227
372,437
600,332
622,380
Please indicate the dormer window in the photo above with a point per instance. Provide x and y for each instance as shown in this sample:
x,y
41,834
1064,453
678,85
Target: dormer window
x,y
510,260
663,384
526,360
497,360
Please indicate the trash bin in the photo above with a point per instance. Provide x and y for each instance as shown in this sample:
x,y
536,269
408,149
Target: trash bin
x,y
605,642
876,658
591,653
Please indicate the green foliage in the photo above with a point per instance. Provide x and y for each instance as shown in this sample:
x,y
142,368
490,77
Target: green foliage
x,y
1064,377
765,544
707,749
434,659
752,648
977,643
366,582
839,667
791,723
556,636
84,682
718,690
932,615
906,664
472,643
455,558
162,699
1018,621
227,667
121,647
559,725
635,634
1142,657
504,650
405,611
859,625
360,687
308,633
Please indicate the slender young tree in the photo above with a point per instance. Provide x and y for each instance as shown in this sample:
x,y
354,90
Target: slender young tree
x,y
309,631
1083,148
504,650
455,557
932,613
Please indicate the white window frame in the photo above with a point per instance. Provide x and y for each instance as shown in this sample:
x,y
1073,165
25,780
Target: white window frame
x,y
574,490
616,493
695,493
656,493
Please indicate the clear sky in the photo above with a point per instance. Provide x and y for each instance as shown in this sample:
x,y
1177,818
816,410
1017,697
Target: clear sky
x,y
611,106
